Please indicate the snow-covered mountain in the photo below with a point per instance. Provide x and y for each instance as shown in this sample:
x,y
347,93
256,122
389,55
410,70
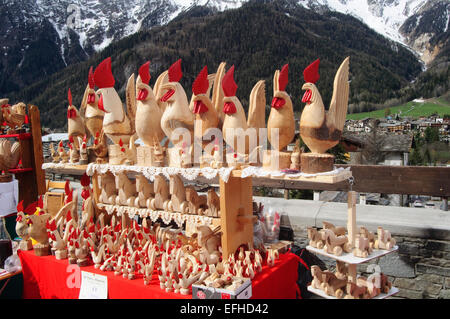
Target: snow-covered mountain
x,y
419,24
50,34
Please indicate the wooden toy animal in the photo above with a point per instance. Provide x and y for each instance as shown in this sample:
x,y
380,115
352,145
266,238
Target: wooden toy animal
x,y
148,112
235,117
335,244
333,286
22,229
356,292
177,113
162,195
108,193
197,204
38,231
84,157
177,201
318,276
341,270
362,247
338,231
315,238
364,232
209,240
385,284
93,116
213,202
384,241
145,192
54,154
63,155
372,284
117,125
322,130
100,148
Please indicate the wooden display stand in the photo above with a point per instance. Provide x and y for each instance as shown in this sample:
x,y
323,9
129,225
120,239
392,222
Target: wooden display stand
x,y
317,163
349,259
236,208
31,177
277,160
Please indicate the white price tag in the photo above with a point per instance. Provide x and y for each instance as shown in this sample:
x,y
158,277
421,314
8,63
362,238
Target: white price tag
x,y
93,286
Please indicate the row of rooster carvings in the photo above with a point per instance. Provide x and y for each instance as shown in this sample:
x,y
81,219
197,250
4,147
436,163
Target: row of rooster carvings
x,y
160,195
161,116
145,251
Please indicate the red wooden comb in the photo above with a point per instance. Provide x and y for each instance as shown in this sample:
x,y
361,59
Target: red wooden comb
x,y
20,207
85,180
144,73
91,78
69,96
201,83
229,86
103,76
283,80
175,72
311,73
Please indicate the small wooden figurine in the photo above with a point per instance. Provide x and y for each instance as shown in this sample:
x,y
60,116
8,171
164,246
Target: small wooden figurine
x,y
22,229
213,202
54,154
63,155
14,116
75,126
197,204
145,192
356,292
341,270
177,201
335,244
38,231
100,148
126,190
384,241
322,130
108,193
9,157
338,231
84,157
315,238
362,247
333,286
162,194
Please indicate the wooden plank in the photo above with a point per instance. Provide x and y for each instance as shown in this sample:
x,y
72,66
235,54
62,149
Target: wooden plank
x,y
405,180
35,123
236,209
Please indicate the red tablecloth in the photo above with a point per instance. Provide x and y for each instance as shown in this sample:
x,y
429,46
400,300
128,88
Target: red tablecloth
x,y
49,278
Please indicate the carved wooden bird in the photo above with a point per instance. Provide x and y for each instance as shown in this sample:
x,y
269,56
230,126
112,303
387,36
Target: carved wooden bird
x,y
322,130
9,155
148,112
117,125
206,116
75,123
14,116
93,116
177,113
235,115
282,113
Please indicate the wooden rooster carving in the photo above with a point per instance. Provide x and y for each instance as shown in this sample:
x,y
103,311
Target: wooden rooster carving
x,y
177,113
117,125
148,112
9,157
282,113
206,116
14,116
235,118
93,117
75,123
322,130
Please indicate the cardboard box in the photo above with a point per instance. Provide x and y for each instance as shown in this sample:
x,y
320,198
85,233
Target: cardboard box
x,y
204,292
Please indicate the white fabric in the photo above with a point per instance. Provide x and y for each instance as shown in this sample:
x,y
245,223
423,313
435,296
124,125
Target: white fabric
x,y
9,198
167,217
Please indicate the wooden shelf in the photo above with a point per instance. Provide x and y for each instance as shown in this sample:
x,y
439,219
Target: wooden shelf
x,y
21,136
20,170
322,294
348,258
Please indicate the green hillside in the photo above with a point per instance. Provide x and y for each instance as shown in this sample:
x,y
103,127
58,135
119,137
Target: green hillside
x,y
410,109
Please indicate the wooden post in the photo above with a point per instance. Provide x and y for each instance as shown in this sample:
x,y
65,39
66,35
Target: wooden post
x,y
236,209
35,120
352,273
351,219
